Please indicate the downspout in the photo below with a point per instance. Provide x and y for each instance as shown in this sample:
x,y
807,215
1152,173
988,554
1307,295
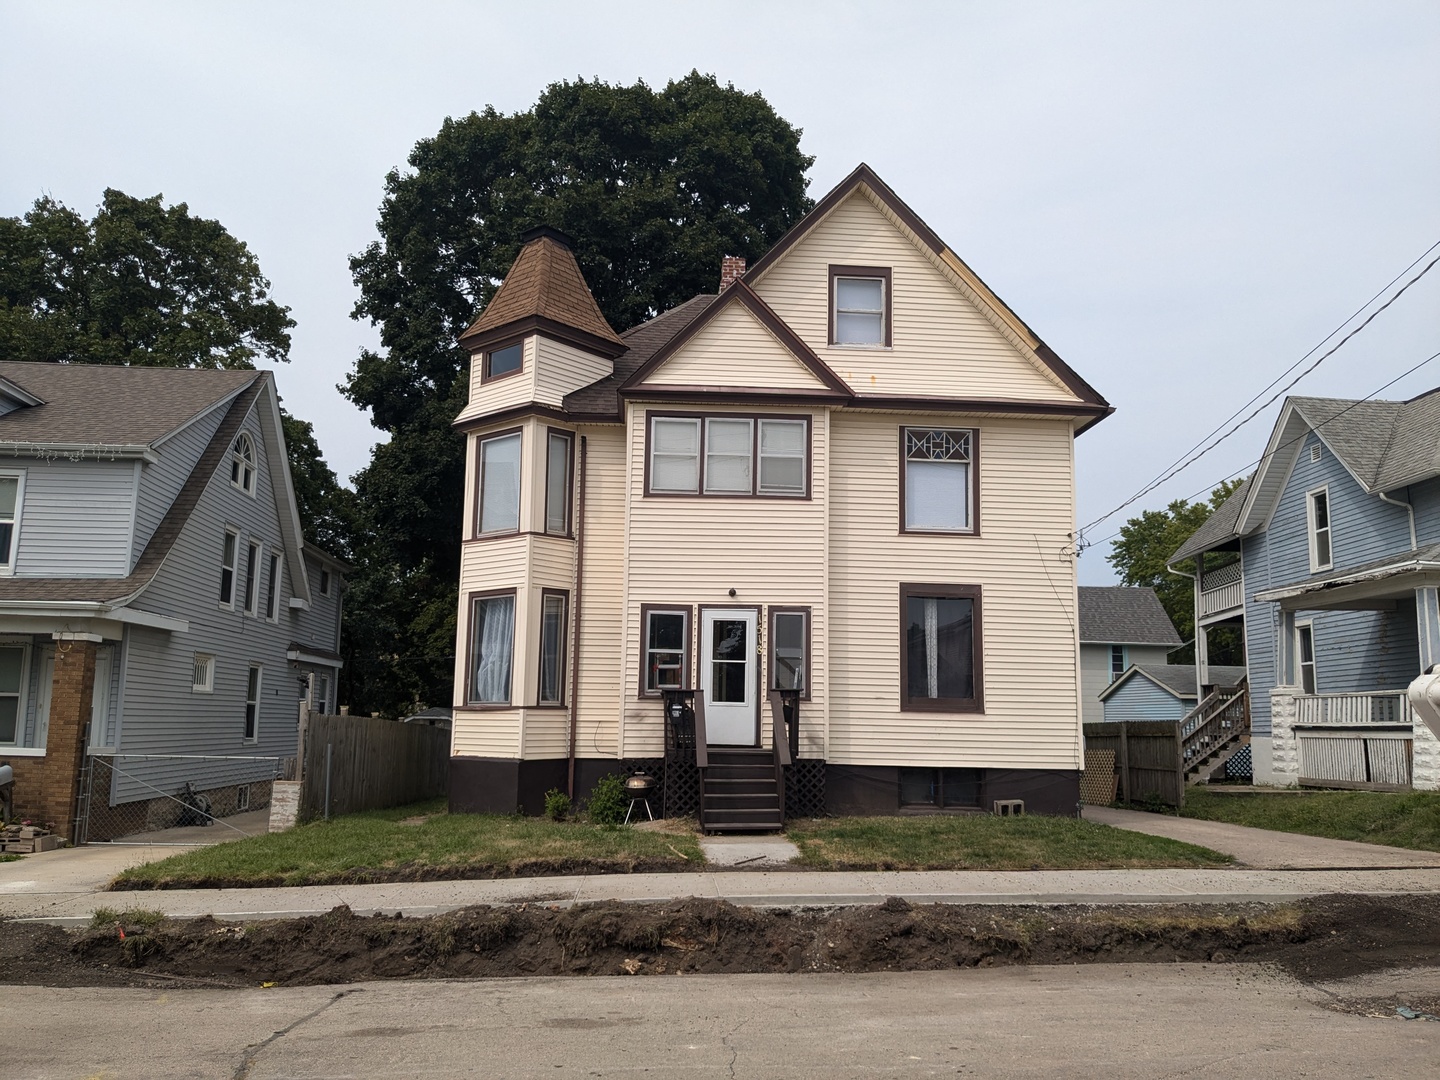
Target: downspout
x,y
1407,506
575,633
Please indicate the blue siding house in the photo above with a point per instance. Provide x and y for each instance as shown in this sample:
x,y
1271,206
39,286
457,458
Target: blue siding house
x,y
1329,557
160,611
1160,691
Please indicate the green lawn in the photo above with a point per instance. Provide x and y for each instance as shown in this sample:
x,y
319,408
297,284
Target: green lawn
x,y
1409,819
983,842
416,843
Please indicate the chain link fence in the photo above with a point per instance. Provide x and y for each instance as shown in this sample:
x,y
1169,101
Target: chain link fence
x,y
171,798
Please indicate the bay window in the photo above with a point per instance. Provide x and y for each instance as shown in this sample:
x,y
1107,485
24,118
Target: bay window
x,y
492,640
498,500
557,483
553,614
940,645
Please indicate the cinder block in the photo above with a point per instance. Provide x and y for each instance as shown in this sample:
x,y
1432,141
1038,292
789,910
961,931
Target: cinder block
x,y
1008,807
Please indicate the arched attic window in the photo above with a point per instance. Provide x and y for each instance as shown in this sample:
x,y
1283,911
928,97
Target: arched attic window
x,y
242,464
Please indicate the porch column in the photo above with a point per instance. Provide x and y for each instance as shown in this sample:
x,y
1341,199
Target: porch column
x,y
72,692
1427,614
1202,661
1285,650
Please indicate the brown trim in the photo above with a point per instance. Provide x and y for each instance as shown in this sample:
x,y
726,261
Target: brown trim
x,y
754,418
974,529
569,533
742,294
529,409
480,440
865,175
789,609
882,272
511,536
470,598
540,651
738,394
945,705
760,691
977,405
686,663
501,346
533,324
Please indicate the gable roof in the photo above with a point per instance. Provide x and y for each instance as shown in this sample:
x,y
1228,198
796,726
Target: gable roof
x,y
544,289
1178,680
1124,615
865,179
99,406
738,292
1219,528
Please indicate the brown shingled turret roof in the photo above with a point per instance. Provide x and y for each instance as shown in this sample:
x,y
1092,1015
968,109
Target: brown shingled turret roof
x,y
545,291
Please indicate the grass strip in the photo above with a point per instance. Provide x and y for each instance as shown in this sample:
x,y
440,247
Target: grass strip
x,y
416,843
984,842
1408,819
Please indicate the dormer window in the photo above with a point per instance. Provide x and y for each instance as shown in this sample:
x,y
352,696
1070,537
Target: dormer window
x,y
501,362
860,306
242,464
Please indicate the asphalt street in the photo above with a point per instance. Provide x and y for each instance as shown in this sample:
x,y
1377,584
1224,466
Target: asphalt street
x,y
1116,1021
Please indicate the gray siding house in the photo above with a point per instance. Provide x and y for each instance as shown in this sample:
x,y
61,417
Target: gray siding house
x,y
157,598
1120,626
1329,556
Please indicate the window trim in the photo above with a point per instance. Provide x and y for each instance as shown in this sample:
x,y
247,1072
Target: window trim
x,y
485,376
208,686
470,598
28,652
945,592
234,568
480,441
651,415
974,529
1303,629
687,659
569,531
1123,653
789,609
843,271
18,475
254,554
272,586
562,653
941,806
259,670
1312,533
252,463
324,582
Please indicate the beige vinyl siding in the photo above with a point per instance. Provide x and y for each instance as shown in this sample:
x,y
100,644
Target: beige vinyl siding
x,y
692,551
1020,560
598,706
486,733
942,344
735,350
561,369
502,393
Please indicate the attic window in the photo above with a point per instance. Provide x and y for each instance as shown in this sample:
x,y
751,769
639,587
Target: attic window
x,y
860,306
242,464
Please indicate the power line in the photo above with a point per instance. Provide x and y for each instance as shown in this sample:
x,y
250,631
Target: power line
x,y
1283,446
1186,462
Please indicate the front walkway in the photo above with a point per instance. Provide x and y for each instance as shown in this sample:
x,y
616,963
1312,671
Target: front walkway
x,y
1264,848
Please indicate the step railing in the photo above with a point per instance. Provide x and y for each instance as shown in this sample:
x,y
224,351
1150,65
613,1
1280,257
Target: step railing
x,y
780,743
1219,720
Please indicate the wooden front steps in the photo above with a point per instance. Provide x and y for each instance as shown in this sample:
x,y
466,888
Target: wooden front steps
x,y
739,792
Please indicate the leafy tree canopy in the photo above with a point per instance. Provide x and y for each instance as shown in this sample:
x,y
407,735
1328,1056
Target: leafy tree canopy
x,y
140,283
654,185
1147,542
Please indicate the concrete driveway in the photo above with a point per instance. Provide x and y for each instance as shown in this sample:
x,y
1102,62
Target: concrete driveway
x,y
1264,848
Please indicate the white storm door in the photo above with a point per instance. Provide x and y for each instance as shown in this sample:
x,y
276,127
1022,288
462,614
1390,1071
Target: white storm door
x,y
727,675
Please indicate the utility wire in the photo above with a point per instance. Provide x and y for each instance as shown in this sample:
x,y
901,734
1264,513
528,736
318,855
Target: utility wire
x,y
1285,445
1194,457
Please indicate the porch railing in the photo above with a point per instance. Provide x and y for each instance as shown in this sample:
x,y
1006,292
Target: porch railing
x,y
1218,722
780,745
1222,589
1379,707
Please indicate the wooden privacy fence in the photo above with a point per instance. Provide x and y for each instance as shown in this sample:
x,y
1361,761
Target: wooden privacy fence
x,y
355,763
1146,755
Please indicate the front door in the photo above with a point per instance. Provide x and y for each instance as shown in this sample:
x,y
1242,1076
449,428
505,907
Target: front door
x,y
727,675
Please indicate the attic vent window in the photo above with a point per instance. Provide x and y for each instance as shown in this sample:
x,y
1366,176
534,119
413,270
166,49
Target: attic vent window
x,y
1315,452
242,464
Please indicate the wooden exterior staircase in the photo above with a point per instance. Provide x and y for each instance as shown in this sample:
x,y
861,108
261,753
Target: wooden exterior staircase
x,y
742,789
1214,732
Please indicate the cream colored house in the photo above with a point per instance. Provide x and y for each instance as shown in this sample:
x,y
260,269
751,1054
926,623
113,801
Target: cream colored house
x,y
850,477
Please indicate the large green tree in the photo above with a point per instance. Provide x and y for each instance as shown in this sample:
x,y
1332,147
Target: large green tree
x,y
655,186
1146,544
148,284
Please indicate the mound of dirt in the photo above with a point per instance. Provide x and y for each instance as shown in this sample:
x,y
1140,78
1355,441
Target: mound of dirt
x,y
1321,939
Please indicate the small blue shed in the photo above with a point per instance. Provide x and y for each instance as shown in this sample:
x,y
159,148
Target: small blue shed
x,y
1160,691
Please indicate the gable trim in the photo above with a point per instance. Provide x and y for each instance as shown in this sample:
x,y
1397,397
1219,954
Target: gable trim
x,y
741,293
1134,671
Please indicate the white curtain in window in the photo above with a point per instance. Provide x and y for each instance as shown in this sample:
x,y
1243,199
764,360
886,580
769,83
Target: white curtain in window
x,y
675,455
493,627
500,484
727,455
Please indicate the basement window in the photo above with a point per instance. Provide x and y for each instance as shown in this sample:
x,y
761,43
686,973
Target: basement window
x,y
940,789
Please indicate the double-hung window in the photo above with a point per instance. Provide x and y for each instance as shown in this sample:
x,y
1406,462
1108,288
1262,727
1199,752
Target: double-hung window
x,y
937,467
272,589
252,704
789,650
860,306
667,649
1318,511
1117,661
1305,656
557,482
940,648
227,567
9,516
252,578
719,455
553,616
13,670
492,646
499,496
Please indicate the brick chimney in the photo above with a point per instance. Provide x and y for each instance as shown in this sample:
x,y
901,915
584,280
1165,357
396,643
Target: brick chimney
x,y
732,267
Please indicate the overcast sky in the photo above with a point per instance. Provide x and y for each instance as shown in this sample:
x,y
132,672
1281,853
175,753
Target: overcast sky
x,y
1180,198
